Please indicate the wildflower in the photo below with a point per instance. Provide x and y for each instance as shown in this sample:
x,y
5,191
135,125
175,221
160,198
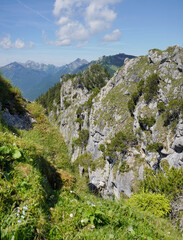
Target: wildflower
x,y
22,216
19,221
25,208
23,212
71,191
71,215
93,204
82,220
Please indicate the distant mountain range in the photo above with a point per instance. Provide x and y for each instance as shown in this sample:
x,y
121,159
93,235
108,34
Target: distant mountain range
x,y
33,79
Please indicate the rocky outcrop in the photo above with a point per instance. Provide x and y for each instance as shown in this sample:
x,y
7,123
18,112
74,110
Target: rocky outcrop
x,y
108,114
20,121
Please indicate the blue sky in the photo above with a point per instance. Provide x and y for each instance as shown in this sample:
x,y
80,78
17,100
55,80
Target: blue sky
x,y
59,31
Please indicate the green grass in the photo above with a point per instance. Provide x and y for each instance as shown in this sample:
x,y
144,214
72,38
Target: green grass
x,y
41,198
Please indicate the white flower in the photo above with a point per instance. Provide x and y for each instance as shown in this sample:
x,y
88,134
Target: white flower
x,y
19,221
71,215
71,191
25,208
82,221
23,212
22,216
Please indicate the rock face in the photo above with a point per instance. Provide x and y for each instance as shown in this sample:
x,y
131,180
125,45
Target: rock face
x,y
17,120
143,100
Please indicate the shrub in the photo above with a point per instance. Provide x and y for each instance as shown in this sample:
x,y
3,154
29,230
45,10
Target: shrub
x,y
146,122
131,106
155,204
119,143
83,138
151,87
66,103
154,147
140,87
135,97
102,148
173,110
161,107
124,167
170,184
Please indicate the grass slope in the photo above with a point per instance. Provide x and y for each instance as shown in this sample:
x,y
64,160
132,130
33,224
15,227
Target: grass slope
x,y
41,199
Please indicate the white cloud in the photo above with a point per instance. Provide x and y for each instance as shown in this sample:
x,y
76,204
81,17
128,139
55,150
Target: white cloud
x,y
79,20
6,43
19,43
114,36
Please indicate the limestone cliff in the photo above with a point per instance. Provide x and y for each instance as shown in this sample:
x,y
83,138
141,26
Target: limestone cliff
x,y
131,122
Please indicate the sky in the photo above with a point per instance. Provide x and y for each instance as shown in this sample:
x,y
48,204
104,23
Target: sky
x,y
59,31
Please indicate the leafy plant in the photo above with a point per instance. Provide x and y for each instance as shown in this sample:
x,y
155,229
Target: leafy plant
x,y
156,204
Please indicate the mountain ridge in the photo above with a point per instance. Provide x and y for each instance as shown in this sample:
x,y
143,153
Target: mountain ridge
x,y
34,78
44,76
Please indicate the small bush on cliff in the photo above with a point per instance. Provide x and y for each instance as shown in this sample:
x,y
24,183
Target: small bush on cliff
x,y
135,97
146,122
161,107
151,87
173,110
83,138
154,147
119,143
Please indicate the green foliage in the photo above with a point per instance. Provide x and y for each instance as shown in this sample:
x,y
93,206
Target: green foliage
x,y
170,184
102,148
74,96
146,122
119,143
140,87
84,160
67,103
83,138
135,97
93,78
8,154
131,106
155,204
161,107
154,147
173,110
151,87
10,97
124,167
51,96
